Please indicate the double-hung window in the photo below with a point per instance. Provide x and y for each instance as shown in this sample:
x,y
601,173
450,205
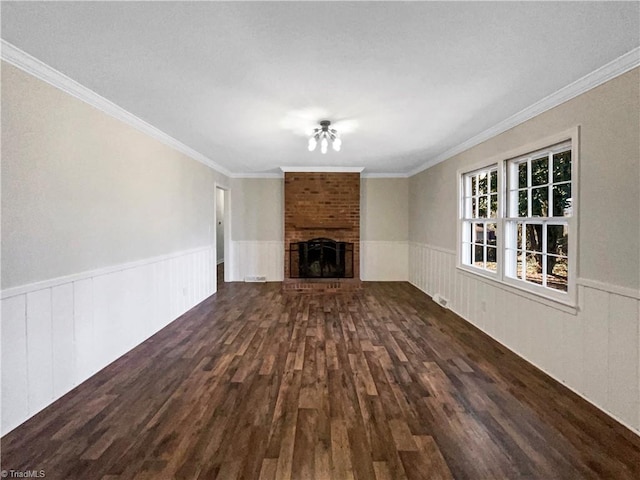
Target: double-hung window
x,y
517,219
538,226
480,217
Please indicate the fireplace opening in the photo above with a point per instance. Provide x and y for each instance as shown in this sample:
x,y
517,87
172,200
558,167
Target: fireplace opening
x,y
321,258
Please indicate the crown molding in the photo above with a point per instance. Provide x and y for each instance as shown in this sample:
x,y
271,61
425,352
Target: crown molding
x,y
22,60
607,72
323,169
256,175
385,175
31,65
316,169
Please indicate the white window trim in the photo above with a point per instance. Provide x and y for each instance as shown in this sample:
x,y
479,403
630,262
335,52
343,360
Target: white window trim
x,y
462,220
568,299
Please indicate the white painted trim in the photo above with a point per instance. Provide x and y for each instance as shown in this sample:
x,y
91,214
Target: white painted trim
x,y
516,289
584,282
226,218
22,60
599,76
315,169
323,169
75,329
433,247
569,137
256,175
250,242
385,175
580,394
526,325
552,375
54,282
256,258
609,288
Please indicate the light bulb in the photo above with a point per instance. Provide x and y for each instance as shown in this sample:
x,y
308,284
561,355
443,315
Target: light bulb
x,y
312,144
324,144
337,143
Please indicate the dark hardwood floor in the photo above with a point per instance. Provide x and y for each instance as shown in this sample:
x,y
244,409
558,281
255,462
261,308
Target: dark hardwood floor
x,y
376,384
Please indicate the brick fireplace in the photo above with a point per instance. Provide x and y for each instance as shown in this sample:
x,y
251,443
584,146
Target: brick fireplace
x,y
321,205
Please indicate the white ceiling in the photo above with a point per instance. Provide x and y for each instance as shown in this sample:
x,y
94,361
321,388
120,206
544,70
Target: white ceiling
x,y
240,82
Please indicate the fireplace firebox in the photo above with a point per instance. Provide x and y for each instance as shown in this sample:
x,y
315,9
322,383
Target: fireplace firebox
x,y
321,258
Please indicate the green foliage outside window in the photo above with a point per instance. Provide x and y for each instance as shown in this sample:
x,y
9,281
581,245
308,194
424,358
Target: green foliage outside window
x,y
535,194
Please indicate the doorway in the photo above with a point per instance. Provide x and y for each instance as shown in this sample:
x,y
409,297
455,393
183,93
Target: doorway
x,y
220,236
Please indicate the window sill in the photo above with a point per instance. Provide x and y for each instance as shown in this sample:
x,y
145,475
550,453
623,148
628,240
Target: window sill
x,y
567,307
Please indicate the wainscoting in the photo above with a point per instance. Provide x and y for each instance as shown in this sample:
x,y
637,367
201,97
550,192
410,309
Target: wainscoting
x,y
594,352
254,383
380,261
57,333
256,259
384,261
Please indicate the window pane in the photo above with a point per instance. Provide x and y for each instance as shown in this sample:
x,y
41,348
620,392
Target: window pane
x,y
557,239
534,237
478,229
540,171
491,233
522,175
562,166
534,268
523,204
562,200
520,227
482,208
520,261
492,258
483,183
539,201
494,206
557,273
535,231
478,259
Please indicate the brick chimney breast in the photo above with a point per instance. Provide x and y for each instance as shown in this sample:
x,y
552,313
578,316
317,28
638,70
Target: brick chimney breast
x,y
322,205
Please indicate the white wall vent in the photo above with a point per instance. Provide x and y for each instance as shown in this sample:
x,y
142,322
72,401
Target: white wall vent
x,y
440,300
255,278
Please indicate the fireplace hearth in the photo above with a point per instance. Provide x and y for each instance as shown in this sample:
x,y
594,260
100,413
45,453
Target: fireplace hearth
x,y
321,258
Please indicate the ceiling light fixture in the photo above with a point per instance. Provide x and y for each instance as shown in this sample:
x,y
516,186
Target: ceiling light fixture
x,y
324,135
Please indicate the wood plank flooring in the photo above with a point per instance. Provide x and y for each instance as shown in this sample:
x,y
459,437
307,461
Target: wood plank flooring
x,y
378,384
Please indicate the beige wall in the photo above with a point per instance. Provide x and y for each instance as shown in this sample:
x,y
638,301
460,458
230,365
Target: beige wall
x,y
81,190
384,208
593,349
257,209
609,181
257,205
257,231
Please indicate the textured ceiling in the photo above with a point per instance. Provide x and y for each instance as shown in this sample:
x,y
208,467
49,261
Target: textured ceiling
x,y
241,82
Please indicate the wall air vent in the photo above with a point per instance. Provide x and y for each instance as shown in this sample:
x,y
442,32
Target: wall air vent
x,y
255,278
443,302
